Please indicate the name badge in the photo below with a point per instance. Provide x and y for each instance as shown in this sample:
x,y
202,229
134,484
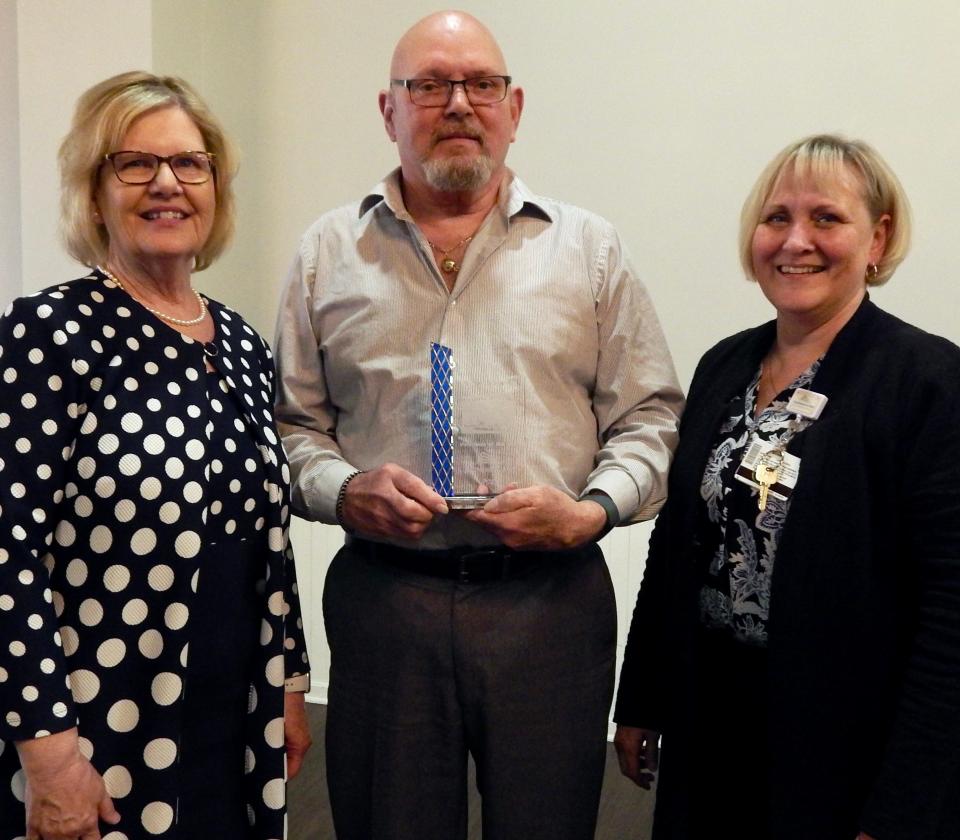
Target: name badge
x,y
784,474
806,403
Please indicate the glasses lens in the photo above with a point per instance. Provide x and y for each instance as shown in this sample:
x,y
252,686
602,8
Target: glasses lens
x,y
191,167
135,167
429,91
486,90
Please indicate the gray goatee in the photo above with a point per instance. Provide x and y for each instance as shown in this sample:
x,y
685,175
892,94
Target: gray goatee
x,y
457,175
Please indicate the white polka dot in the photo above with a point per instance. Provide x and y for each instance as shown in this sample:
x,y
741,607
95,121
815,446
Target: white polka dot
x,y
174,427
131,422
157,817
65,534
76,572
194,449
160,578
101,539
151,644
130,464
82,506
165,688
30,693
187,544
71,641
150,488
35,622
118,782
275,671
47,665
123,716
108,444
17,648
192,492
160,753
18,782
275,603
85,685
176,615
60,710
90,612
111,653
174,467
273,794
273,733
143,541
135,611
154,444
89,424
275,539
105,487
116,578
169,512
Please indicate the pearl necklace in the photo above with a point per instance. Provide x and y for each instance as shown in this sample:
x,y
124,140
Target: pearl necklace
x,y
448,265
183,322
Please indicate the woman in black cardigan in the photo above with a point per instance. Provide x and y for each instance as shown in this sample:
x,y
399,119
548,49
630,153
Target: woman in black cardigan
x,y
796,639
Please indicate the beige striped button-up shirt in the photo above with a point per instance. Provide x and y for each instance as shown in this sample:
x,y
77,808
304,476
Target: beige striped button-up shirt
x,y
562,376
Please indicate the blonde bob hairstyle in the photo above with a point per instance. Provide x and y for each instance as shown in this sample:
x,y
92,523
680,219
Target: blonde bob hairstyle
x,y
103,116
826,158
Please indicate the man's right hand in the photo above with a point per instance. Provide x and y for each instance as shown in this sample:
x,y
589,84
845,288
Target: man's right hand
x,y
390,503
638,751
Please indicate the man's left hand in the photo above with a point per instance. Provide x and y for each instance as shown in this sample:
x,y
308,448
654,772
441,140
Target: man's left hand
x,y
296,731
541,518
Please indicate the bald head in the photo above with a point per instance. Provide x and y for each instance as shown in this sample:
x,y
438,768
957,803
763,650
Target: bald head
x,y
436,34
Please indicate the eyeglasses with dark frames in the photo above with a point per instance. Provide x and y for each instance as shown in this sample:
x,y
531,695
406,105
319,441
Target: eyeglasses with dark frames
x,y
437,93
142,167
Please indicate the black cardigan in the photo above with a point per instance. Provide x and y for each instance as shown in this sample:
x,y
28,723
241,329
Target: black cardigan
x,y
864,629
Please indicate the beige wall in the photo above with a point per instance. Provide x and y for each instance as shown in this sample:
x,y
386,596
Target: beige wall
x,y
658,115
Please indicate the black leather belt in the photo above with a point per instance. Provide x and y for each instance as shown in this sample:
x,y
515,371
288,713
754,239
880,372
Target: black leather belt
x,y
466,564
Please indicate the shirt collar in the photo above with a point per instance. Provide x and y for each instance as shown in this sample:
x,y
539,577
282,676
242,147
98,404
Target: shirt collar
x,y
517,199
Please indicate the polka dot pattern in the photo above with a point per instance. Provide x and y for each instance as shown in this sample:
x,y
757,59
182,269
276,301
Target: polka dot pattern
x,y
120,460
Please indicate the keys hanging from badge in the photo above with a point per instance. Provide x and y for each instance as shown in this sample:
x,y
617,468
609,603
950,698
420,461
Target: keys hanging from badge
x,y
766,475
769,469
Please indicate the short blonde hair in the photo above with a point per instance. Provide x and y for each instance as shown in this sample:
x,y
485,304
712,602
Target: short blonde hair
x,y
103,116
825,158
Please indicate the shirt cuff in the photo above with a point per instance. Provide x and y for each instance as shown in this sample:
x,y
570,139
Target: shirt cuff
x,y
619,486
320,493
301,682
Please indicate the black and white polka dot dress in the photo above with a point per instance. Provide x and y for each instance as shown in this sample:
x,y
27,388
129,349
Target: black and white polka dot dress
x,y
118,537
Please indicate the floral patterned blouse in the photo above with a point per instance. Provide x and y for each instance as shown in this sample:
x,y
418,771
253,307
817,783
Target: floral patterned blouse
x,y
738,541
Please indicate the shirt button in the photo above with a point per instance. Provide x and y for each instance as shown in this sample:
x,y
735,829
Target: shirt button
x,y
453,303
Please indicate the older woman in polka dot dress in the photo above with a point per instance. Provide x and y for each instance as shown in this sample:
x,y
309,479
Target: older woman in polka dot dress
x,y
152,663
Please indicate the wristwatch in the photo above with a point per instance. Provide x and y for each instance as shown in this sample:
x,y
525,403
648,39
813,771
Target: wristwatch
x,y
609,508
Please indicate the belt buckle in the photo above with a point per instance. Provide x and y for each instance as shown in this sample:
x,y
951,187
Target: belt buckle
x,y
466,568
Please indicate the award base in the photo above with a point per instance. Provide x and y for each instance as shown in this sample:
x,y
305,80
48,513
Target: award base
x,y
467,502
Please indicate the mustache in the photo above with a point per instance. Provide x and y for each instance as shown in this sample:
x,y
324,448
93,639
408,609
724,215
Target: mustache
x,y
455,129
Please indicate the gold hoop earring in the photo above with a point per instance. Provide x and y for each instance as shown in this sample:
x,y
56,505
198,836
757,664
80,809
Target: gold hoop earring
x,y
873,271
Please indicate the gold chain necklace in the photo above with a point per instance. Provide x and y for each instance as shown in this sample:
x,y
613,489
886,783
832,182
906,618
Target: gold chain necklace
x,y
183,322
447,264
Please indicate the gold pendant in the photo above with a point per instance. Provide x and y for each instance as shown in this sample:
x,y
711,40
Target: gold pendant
x,y
450,266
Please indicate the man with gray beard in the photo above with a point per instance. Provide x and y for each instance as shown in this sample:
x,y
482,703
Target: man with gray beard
x,y
454,333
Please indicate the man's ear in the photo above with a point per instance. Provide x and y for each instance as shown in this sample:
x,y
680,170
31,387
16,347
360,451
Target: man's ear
x,y
387,109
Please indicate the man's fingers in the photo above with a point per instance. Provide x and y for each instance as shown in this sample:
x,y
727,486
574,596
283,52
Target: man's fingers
x,y
416,490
